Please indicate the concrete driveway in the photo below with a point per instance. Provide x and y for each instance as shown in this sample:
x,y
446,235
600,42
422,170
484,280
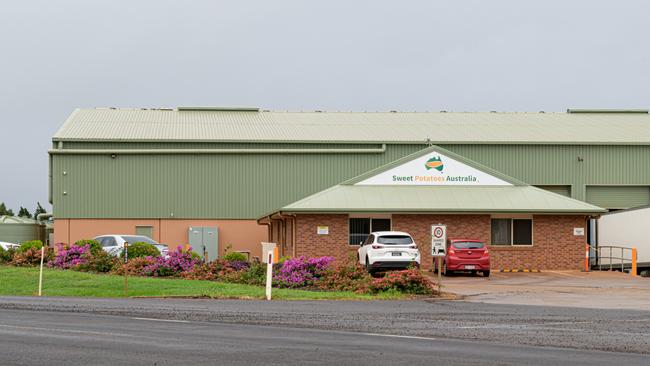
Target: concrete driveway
x,y
608,290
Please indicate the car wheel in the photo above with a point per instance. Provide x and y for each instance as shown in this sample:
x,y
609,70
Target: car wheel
x,y
486,273
368,267
444,269
473,273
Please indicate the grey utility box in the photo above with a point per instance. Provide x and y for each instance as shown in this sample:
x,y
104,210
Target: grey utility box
x,y
205,240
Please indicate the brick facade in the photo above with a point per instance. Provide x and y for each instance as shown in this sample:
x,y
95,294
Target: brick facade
x,y
554,245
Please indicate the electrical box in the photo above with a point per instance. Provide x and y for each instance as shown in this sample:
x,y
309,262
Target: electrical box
x,y
204,241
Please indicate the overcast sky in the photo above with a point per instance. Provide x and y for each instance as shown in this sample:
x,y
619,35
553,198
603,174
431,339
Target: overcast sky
x,y
305,55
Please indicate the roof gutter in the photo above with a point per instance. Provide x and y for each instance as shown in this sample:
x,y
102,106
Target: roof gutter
x,y
60,151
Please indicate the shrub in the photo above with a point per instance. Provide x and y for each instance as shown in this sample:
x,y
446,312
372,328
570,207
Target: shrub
x,y
6,255
32,244
100,262
133,267
301,272
95,247
255,274
31,257
140,249
349,276
177,262
410,281
70,257
235,257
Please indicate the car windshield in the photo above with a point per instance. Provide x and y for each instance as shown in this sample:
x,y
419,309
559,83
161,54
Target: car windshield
x,y
394,239
139,239
468,245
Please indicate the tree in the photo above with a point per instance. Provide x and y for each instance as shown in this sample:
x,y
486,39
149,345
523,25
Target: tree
x,y
23,212
4,211
39,210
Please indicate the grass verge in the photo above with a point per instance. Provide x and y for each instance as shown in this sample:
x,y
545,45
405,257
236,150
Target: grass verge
x,y
23,281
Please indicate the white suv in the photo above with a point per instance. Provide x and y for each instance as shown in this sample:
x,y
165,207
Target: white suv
x,y
388,249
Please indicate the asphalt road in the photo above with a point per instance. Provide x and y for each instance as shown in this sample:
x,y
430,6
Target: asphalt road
x,y
51,331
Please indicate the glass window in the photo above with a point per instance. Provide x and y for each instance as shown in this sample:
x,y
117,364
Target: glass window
x,y
370,240
512,232
394,239
522,232
501,231
138,239
468,245
359,230
108,242
380,225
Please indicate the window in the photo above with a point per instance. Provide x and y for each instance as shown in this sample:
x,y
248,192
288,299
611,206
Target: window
x,y
108,241
394,239
360,228
512,232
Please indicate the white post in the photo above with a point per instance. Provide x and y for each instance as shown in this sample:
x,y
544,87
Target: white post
x,y
269,274
40,275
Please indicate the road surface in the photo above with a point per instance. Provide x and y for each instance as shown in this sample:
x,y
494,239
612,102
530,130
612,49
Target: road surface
x,y
51,331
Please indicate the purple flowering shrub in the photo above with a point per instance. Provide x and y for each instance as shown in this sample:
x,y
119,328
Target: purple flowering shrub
x,y
70,257
301,271
177,262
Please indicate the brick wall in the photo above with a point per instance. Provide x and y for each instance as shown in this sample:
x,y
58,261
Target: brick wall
x,y
310,244
554,245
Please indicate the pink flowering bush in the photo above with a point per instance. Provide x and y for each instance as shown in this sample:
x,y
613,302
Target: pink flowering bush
x,y
71,257
301,272
175,263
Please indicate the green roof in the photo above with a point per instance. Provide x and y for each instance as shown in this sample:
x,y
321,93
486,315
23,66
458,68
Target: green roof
x,y
488,199
252,125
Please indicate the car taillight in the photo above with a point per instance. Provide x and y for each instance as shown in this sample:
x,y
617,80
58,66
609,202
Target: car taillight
x,y
452,251
375,246
485,252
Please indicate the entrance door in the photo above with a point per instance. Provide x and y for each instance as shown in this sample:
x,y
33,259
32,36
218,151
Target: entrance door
x,y
205,240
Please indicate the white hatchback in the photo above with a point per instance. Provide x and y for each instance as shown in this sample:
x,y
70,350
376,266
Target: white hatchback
x,y
389,250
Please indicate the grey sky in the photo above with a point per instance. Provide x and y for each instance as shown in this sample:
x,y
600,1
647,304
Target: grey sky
x,y
305,55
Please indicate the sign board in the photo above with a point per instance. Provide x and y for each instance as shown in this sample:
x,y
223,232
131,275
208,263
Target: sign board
x,y
323,230
438,240
579,231
434,169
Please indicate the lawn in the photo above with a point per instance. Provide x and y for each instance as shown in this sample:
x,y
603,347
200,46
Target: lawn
x,y
23,281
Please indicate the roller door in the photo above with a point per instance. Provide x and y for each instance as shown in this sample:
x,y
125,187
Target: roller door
x,y
618,197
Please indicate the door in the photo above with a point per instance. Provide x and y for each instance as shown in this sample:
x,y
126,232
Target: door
x,y
205,241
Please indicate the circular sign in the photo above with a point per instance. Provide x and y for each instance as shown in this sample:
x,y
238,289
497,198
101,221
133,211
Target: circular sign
x,y
437,232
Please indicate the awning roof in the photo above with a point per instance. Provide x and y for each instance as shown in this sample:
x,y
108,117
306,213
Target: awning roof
x,y
489,199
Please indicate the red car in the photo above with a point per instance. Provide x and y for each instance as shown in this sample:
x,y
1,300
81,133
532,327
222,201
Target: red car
x,y
466,255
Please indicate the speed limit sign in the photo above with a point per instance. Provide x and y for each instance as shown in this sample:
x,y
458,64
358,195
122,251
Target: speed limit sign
x,y
438,239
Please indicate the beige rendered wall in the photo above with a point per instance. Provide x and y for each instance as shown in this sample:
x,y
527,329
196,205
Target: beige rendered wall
x,y
241,234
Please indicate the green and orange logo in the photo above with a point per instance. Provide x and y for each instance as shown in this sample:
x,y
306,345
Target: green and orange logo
x,y
434,163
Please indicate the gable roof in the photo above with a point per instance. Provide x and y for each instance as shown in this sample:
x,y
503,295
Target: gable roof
x,y
440,199
515,197
253,125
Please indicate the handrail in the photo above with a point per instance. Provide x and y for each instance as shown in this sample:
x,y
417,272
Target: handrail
x,y
611,257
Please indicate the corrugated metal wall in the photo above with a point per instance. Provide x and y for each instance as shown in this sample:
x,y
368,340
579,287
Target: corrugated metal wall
x,y
246,186
578,165
563,190
225,186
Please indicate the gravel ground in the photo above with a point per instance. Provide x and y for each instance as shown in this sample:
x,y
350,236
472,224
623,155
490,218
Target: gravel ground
x,y
579,328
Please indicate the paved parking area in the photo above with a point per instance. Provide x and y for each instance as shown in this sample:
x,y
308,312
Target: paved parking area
x,y
609,290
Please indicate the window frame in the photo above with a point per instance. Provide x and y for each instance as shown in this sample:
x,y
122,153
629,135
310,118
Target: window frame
x,y
512,231
371,218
